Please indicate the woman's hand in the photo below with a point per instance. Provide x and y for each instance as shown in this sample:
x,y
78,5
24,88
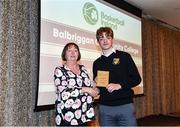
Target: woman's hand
x,y
92,91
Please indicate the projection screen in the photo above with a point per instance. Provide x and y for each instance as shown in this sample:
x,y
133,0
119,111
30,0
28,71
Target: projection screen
x,y
64,21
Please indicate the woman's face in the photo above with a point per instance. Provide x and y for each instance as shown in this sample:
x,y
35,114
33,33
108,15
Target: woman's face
x,y
105,41
72,53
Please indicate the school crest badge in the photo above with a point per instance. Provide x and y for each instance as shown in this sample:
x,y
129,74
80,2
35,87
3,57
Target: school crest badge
x,y
116,61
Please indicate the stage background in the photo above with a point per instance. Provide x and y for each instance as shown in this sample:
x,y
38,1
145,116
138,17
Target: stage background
x,y
19,39
72,21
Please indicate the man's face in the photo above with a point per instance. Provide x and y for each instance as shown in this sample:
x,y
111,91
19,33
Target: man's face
x,y
105,42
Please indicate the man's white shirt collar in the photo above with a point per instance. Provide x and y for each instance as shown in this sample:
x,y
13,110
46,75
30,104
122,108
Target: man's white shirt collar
x,y
108,53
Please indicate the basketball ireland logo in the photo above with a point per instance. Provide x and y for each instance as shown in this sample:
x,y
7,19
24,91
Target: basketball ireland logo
x,y
90,13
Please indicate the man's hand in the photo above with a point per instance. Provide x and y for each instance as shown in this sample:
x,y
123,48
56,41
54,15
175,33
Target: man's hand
x,y
113,86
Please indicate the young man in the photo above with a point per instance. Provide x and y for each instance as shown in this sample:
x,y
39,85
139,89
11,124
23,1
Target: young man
x,y
116,99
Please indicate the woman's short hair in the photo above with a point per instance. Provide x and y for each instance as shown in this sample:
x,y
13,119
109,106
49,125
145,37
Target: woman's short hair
x,y
63,54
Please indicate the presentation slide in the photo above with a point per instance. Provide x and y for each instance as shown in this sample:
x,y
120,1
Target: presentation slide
x,y
64,21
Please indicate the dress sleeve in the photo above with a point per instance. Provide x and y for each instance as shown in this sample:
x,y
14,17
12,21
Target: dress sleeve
x,y
64,85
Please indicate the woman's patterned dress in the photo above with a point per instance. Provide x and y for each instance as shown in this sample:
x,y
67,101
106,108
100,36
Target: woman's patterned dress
x,y
72,106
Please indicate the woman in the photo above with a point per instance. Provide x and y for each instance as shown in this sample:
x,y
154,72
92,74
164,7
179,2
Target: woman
x,y
74,91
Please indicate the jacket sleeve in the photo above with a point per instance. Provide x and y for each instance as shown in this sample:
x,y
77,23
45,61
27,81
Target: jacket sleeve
x,y
132,74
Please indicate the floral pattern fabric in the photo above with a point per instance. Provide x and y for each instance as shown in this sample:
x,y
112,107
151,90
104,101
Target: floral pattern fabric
x,y
72,106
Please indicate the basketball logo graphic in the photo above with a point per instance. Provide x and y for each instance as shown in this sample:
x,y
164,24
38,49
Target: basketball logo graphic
x,y
90,13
